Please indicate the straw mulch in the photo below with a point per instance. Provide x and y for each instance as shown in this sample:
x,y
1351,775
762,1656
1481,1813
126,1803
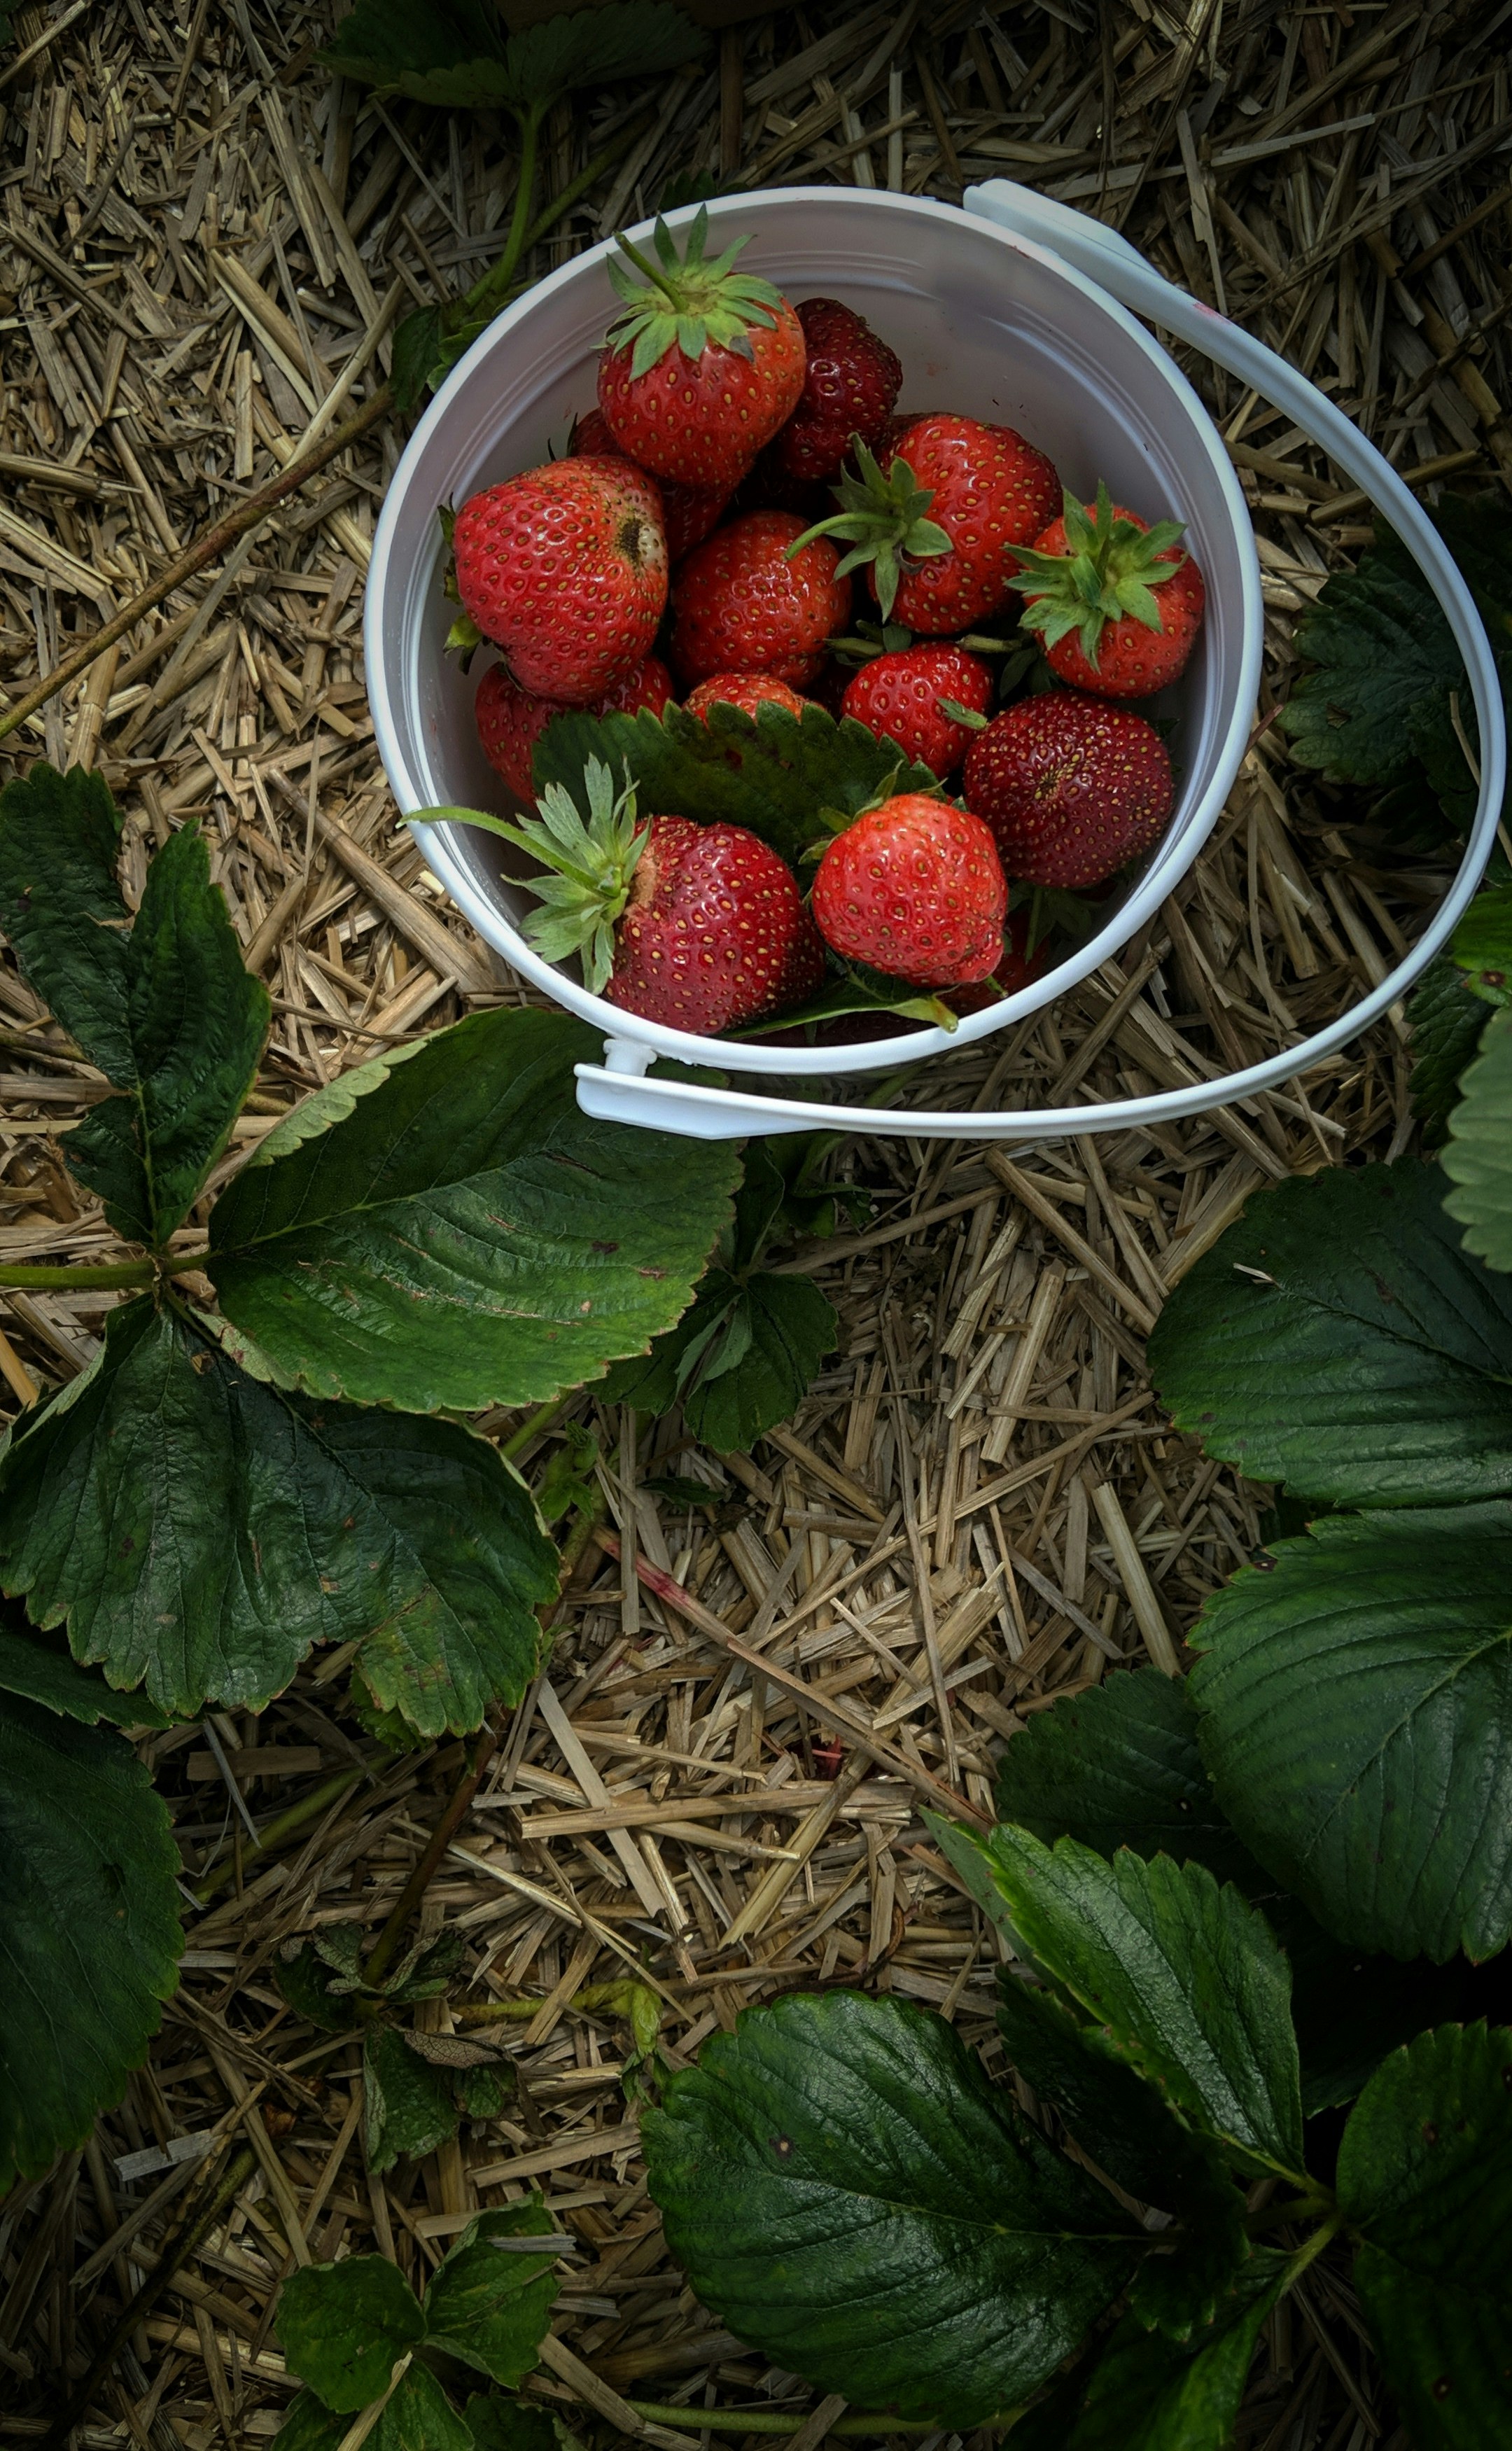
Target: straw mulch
x,y
979,1507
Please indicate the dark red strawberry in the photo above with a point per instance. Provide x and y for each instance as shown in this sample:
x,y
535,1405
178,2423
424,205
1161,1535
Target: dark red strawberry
x,y
510,722
914,888
699,927
1017,968
902,698
1117,604
940,516
750,692
565,569
754,598
688,517
1072,787
703,366
851,382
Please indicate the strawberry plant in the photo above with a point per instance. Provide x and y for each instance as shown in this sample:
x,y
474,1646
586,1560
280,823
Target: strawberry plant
x,y
1229,1902
367,2349
264,1455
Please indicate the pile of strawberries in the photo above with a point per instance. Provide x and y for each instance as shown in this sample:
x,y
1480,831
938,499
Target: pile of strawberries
x,y
740,443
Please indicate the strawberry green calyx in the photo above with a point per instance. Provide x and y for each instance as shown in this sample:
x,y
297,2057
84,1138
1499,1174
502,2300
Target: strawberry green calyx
x,y
589,867
1109,574
882,519
697,305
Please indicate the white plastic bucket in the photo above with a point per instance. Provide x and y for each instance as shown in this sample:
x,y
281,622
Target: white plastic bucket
x,y
1004,312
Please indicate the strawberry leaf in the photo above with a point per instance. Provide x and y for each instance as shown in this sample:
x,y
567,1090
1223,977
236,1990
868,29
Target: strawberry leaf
x,y
768,772
856,989
455,53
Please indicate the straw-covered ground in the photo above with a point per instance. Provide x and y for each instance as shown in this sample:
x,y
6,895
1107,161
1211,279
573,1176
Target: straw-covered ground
x,y
980,1506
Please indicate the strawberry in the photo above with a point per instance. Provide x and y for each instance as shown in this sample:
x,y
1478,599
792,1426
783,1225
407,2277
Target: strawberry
x,y
687,516
510,722
1018,968
1116,603
750,692
565,569
914,887
903,697
985,489
755,598
1070,786
699,927
849,386
702,368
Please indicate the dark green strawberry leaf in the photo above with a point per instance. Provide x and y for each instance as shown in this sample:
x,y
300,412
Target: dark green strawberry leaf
x,y
199,1530
90,1931
903,2239
1353,1702
408,2105
1338,1338
424,1971
311,1989
774,771
63,909
1129,2132
343,2326
1183,1977
44,1671
453,53
492,2309
1478,1153
311,2426
1426,2177
847,2191
164,1007
1120,1767
419,2418
1446,1019
508,2425
1144,2393
420,344
850,988
447,1228
741,1360
1377,709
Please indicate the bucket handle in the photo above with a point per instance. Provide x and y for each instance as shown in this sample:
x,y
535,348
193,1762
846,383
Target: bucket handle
x,y
1106,257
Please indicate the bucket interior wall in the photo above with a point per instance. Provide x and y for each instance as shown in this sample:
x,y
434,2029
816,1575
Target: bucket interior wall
x,y
984,325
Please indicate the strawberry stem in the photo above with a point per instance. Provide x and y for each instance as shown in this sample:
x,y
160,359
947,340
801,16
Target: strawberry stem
x,y
1108,573
882,519
589,867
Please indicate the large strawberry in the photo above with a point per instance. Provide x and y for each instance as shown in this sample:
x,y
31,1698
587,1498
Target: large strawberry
x,y
754,598
703,366
938,518
849,386
510,721
1117,604
914,888
699,927
565,569
903,697
688,517
1070,786
750,692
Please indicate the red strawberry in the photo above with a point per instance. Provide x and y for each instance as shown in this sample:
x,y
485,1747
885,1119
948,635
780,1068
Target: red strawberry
x,y
1017,968
510,723
565,569
699,927
750,692
1116,603
914,888
688,517
748,602
985,490
852,380
1070,786
902,698
702,368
